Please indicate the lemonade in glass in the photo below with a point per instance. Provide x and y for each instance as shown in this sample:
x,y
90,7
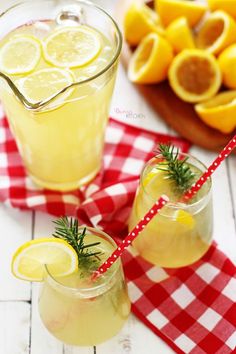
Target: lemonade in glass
x,y
58,61
75,306
182,232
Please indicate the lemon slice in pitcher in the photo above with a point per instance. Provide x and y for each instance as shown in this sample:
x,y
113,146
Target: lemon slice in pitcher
x,y
29,260
20,55
45,83
72,47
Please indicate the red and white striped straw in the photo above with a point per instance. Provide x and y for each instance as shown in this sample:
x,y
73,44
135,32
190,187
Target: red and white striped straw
x,y
206,175
131,236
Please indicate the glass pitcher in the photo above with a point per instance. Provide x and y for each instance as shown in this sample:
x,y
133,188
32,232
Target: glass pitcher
x,y
58,111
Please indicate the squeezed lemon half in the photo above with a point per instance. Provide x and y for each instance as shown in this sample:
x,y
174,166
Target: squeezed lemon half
x,y
139,21
219,112
151,60
194,75
179,34
217,32
169,10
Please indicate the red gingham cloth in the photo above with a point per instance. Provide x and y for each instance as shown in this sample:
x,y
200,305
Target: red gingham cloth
x,y
193,309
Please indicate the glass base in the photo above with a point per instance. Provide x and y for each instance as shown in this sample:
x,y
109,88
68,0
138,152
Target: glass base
x,y
65,187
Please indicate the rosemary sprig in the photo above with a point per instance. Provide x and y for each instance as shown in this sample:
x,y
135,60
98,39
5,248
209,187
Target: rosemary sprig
x,y
67,229
176,170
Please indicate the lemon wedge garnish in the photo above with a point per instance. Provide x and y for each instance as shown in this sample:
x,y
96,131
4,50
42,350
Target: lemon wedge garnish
x,y
72,47
20,55
29,260
45,83
185,218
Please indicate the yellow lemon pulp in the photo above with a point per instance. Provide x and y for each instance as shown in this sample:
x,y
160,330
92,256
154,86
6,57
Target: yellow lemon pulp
x,y
72,47
194,75
179,34
13,58
29,260
151,60
217,32
219,112
227,63
228,6
169,10
139,21
185,218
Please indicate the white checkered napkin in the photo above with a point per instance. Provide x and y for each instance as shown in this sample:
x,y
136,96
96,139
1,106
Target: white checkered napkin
x,y
193,308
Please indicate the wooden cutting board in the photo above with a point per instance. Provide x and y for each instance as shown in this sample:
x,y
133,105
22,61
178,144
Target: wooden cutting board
x,y
178,114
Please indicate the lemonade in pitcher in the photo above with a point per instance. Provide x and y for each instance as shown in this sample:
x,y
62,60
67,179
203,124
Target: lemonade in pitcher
x,y
61,75
182,232
74,307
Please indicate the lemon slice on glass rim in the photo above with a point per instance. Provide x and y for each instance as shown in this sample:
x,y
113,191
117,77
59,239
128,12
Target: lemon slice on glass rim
x,y
45,84
72,47
20,55
29,260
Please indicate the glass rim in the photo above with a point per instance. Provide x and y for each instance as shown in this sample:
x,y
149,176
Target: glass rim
x,y
177,205
42,104
86,290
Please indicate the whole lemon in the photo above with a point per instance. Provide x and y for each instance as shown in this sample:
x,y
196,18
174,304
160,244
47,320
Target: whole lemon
x,y
227,63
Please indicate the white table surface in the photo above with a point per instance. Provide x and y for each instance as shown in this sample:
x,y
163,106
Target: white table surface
x,y
21,331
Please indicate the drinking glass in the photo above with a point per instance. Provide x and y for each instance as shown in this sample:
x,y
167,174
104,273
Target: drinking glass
x,y
182,231
79,311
